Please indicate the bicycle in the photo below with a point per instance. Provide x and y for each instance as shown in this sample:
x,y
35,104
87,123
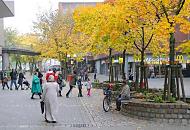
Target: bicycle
x,y
107,99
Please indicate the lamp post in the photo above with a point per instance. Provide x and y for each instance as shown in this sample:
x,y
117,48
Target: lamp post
x,y
74,65
71,61
67,63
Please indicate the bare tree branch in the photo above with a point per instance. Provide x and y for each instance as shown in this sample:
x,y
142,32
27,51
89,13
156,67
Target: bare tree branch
x,y
165,12
157,13
149,41
137,46
180,6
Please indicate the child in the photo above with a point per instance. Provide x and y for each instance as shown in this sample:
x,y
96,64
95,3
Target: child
x,y
79,83
5,80
88,86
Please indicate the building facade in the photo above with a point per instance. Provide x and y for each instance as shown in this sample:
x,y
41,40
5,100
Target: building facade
x,y
155,64
70,6
6,10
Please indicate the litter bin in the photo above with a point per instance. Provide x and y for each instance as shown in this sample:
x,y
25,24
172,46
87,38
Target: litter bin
x,y
69,78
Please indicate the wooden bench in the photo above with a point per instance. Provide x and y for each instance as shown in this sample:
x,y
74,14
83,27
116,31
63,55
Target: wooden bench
x,y
125,101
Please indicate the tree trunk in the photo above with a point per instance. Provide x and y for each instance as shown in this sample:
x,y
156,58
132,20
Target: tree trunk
x,y
172,60
111,77
142,70
62,68
31,68
16,65
123,65
20,65
65,67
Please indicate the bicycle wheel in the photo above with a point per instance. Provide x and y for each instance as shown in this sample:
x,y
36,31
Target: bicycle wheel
x,y
106,104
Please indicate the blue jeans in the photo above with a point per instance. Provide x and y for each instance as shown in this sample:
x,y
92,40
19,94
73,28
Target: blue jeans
x,y
118,102
13,81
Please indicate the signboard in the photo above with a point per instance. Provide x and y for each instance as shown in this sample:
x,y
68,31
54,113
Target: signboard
x,y
161,60
120,60
180,58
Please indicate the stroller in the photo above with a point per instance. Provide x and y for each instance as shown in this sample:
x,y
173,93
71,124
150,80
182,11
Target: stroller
x,y
26,83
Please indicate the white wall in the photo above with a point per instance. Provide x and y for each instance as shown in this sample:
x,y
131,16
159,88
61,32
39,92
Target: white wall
x,y
1,32
97,65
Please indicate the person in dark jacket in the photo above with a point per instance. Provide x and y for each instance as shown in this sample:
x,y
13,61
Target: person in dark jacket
x,y
79,83
13,75
5,81
2,77
72,83
61,83
40,76
20,80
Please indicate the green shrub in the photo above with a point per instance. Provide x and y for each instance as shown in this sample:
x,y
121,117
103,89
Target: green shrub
x,y
158,99
96,85
172,99
152,97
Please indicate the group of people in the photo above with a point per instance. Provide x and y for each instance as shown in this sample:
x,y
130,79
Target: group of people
x,y
78,81
14,75
53,88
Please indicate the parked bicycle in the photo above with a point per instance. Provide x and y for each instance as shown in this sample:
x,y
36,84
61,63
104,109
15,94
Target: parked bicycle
x,y
107,99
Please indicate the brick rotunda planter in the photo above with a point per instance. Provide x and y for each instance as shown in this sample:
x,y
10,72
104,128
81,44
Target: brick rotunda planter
x,y
178,112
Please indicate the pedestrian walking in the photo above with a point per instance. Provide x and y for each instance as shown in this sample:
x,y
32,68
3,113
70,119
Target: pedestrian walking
x,y
20,80
72,83
86,76
82,75
13,75
49,97
61,83
95,71
94,76
2,77
5,81
40,76
36,87
79,83
88,85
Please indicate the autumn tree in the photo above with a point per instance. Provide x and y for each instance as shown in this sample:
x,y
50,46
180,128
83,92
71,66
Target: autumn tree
x,y
173,13
12,41
32,42
22,41
124,25
102,25
58,38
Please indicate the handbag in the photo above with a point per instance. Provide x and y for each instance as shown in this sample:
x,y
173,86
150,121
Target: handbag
x,y
42,106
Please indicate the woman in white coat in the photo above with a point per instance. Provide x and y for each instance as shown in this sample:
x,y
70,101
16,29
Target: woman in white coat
x,y
49,96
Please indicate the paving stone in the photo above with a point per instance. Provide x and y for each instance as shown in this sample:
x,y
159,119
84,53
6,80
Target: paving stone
x,y
19,112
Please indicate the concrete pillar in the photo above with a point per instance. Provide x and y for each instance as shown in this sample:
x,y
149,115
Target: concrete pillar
x,y
97,64
5,61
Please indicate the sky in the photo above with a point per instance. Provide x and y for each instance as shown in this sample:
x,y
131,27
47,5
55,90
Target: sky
x,y
26,12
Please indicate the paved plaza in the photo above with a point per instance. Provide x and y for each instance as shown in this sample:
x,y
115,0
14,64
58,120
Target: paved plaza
x,y
19,112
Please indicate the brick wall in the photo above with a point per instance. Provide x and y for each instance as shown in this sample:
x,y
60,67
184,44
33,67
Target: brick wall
x,y
178,112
